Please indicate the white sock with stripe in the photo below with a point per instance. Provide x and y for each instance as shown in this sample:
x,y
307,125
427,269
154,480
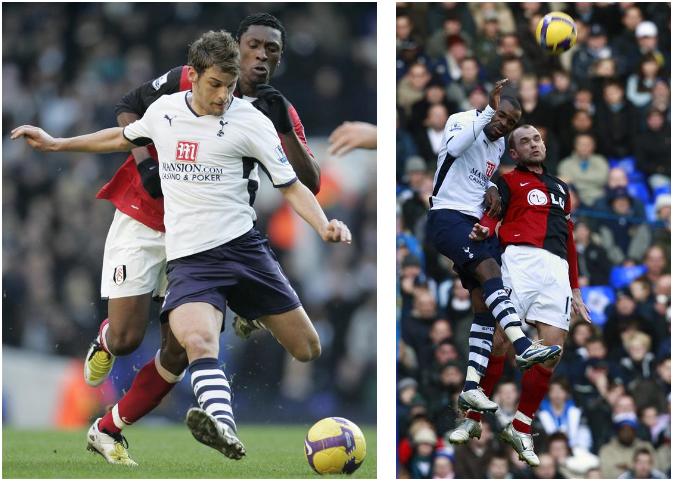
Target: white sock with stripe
x,y
212,390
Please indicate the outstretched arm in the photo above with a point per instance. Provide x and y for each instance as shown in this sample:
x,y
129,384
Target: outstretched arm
x,y
351,135
103,141
305,204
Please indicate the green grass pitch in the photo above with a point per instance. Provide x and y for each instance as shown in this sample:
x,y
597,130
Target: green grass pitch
x,y
272,451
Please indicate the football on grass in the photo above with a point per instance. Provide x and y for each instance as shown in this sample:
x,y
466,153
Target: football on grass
x,y
335,446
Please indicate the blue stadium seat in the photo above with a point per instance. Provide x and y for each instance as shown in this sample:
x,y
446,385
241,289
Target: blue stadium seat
x,y
620,277
661,190
650,212
597,299
639,190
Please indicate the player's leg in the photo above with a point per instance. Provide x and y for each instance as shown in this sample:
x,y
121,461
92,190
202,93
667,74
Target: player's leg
x,y
449,231
480,344
151,384
543,291
295,332
502,308
471,426
196,326
133,268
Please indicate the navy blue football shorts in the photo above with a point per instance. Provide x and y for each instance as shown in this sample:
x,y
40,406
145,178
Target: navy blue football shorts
x,y
449,231
243,273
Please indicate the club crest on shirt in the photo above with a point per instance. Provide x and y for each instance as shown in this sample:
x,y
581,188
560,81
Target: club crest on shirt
x,y
281,155
536,198
120,274
455,126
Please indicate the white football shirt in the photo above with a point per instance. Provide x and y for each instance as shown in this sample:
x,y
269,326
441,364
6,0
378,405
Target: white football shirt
x,y
466,162
209,169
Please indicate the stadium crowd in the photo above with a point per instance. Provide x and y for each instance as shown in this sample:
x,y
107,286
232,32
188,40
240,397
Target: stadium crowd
x,y
603,108
65,66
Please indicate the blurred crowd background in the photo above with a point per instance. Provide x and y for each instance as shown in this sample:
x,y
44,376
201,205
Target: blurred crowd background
x,y
603,109
65,66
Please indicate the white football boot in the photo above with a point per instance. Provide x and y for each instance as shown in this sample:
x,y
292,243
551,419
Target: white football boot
x,y
113,447
209,431
476,400
537,353
521,443
467,429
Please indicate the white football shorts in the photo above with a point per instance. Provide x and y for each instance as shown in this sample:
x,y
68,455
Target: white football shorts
x,y
134,260
539,283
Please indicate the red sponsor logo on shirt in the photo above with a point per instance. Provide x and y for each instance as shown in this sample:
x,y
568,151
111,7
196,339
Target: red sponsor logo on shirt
x,y
186,151
490,169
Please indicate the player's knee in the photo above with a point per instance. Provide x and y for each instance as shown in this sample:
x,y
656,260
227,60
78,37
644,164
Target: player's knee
x,y
197,345
173,360
309,351
123,342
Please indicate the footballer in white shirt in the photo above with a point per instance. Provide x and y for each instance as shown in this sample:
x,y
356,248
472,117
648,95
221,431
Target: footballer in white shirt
x,y
210,145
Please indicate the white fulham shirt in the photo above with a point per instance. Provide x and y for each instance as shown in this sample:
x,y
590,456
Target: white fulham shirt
x,y
209,169
466,162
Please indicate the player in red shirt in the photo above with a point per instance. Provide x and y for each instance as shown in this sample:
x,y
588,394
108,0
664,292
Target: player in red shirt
x,y
539,266
134,261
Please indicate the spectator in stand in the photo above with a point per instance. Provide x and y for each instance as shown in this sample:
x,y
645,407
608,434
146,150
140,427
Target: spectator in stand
x,y
580,123
640,84
617,455
411,87
535,112
482,11
626,42
486,43
643,467
648,41
498,467
558,413
638,365
421,462
594,265
447,68
478,98
656,423
429,137
405,148
472,458
652,150
616,122
618,179
512,68
661,98
458,93
434,94
562,91
444,465
586,169
657,264
547,468
623,232
593,49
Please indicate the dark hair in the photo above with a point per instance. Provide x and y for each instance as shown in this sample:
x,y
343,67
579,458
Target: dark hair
x,y
214,49
559,436
642,450
265,19
512,100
